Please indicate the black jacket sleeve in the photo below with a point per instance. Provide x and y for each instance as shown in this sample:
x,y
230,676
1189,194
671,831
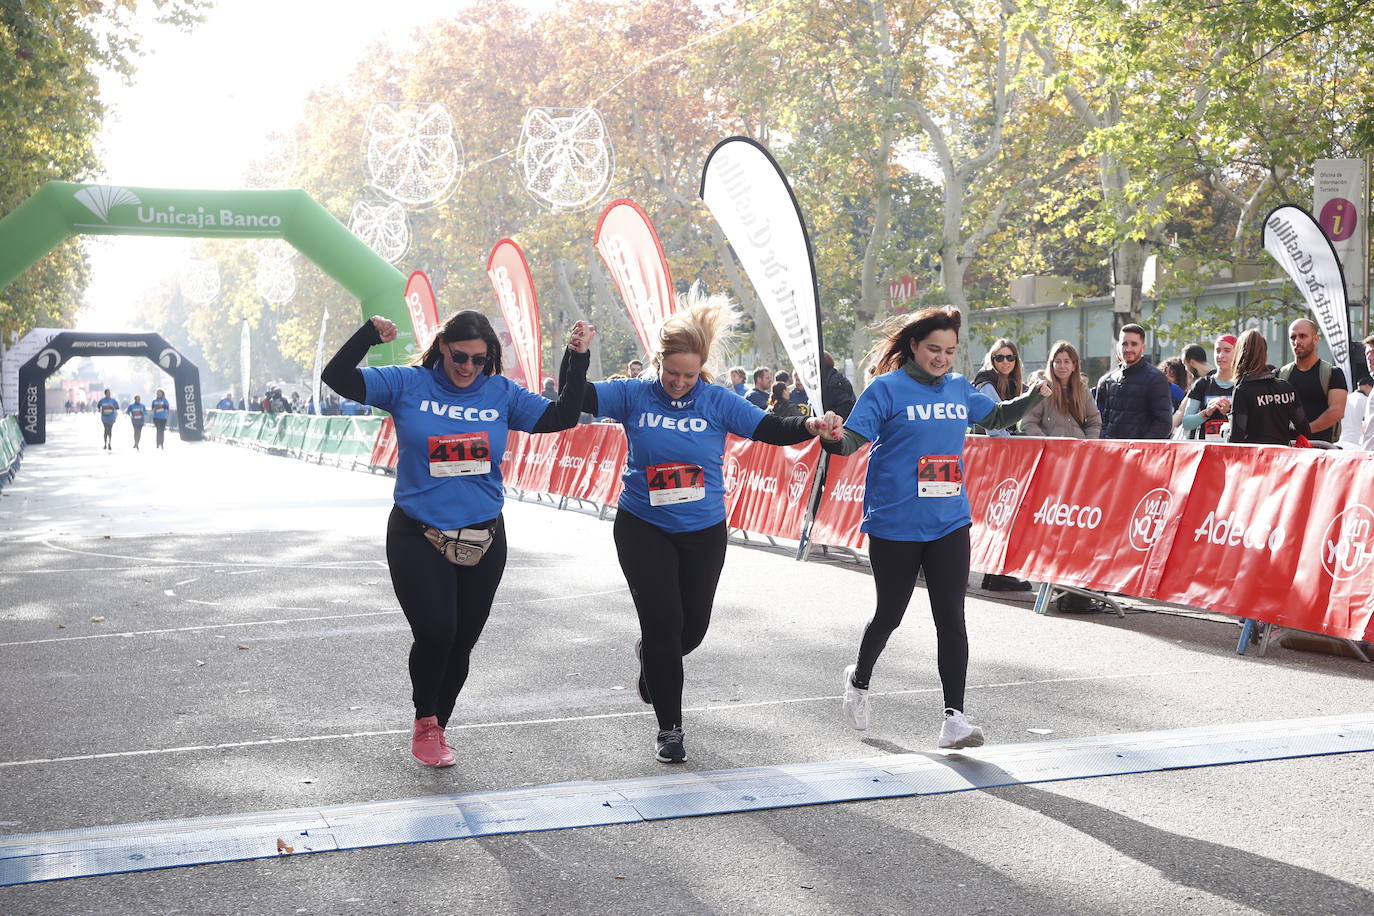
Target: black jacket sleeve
x,y
563,413
775,430
341,373
850,443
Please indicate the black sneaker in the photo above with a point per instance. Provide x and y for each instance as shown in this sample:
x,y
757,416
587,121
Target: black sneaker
x,y
996,583
643,684
670,747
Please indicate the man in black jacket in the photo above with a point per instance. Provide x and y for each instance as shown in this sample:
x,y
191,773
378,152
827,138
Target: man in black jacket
x,y
836,392
1134,397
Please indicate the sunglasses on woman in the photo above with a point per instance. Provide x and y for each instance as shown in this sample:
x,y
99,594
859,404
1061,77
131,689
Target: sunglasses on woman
x,y
1004,358
461,358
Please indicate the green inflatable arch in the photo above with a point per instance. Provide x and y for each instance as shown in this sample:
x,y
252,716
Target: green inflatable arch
x,y
62,209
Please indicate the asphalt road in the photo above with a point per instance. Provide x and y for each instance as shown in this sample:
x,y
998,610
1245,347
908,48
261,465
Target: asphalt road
x,y
208,630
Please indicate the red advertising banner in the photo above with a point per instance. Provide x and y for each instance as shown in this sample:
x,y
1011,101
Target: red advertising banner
x,y
633,254
1275,534
766,486
842,505
997,479
510,278
1100,517
593,459
384,448
1280,535
423,308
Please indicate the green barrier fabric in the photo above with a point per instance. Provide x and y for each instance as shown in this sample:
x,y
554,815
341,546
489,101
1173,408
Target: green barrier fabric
x,y
336,437
267,428
296,429
11,442
250,426
61,209
313,441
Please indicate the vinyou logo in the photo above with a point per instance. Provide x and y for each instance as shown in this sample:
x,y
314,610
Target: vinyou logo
x,y
796,487
1002,506
1147,521
731,474
1348,543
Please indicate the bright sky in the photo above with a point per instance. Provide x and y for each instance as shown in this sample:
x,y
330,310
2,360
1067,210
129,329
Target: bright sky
x,y
202,103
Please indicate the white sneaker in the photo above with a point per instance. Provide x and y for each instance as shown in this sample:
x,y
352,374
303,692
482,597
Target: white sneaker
x,y
957,731
855,706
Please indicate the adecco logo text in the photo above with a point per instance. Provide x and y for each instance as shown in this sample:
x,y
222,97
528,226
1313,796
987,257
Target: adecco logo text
x,y
1002,507
796,487
1147,521
1348,543
1067,515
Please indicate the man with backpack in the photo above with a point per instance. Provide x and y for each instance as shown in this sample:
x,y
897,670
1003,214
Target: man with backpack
x,y
1321,387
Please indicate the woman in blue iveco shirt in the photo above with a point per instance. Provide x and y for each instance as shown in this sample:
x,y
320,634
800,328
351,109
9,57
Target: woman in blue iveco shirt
x,y
916,412
670,527
138,412
160,408
445,540
109,412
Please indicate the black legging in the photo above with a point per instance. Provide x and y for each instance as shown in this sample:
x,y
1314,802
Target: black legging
x,y
673,580
138,433
161,428
109,428
895,564
446,606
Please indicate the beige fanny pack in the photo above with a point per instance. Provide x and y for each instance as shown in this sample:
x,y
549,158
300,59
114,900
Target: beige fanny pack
x,y
465,547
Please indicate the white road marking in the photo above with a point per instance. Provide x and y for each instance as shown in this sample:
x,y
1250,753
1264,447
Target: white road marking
x,y
185,582
639,713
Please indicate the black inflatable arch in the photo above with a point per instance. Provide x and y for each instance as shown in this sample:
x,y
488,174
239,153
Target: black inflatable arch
x,y
68,344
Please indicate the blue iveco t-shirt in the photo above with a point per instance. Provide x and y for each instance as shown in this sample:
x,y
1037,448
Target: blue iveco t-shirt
x,y
673,475
450,440
908,422
160,408
137,412
109,410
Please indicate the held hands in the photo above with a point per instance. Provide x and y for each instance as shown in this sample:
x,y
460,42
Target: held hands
x,y
1220,406
581,337
829,426
386,328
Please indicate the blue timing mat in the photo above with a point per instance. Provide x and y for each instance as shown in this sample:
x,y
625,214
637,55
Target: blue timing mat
x,y
166,844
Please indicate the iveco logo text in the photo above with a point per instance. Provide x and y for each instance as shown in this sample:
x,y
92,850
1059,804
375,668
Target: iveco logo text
x,y
454,412
1066,515
694,424
1227,531
937,411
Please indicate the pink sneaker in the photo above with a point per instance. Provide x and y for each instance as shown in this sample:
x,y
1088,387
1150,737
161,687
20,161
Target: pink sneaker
x,y
427,745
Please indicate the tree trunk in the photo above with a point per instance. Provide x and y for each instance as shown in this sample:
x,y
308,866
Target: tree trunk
x,y
574,308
